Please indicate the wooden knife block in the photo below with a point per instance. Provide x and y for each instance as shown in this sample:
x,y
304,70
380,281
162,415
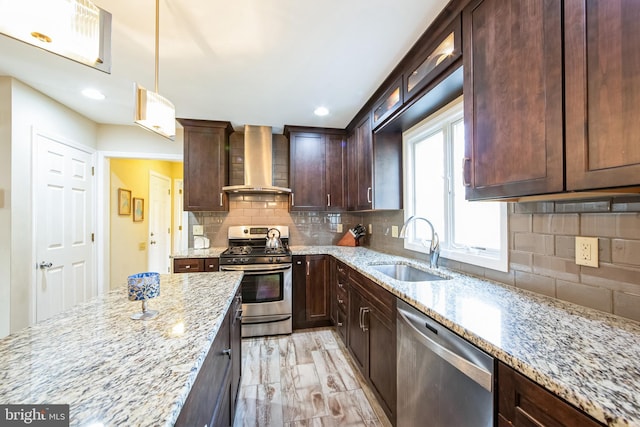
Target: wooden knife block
x,y
348,240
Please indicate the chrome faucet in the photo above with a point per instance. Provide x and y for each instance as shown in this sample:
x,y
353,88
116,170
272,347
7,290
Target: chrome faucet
x,y
434,248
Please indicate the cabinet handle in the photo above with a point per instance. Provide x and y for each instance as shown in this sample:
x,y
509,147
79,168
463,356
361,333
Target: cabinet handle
x,y
360,318
210,265
365,310
340,285
340,301
340,269
308,268
339,324
187,267
299,262
369,195
227,352
328,199
221,199
293,199
465,160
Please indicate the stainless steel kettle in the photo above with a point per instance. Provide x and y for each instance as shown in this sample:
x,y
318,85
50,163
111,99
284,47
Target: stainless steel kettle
x,y
273,239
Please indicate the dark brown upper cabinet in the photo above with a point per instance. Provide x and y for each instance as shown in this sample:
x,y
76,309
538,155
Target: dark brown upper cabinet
x,y
602,93
388,103
360,165
206,162
317,174
513,98
433,59
521,139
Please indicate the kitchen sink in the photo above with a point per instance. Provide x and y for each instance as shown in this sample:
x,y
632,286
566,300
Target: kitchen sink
x,y
406,273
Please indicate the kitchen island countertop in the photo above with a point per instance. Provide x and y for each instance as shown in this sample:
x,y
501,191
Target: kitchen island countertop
x,y
114,371
589,358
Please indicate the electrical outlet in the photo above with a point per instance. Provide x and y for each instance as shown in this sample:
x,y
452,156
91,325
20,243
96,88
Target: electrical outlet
x,y
339,228
370,229
394,231
198,230
587,251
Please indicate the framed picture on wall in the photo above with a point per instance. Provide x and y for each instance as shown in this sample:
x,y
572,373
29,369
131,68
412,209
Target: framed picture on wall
x,y
138,209
124,201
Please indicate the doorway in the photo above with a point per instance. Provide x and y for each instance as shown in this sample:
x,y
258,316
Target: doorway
x,y
63,225
159,223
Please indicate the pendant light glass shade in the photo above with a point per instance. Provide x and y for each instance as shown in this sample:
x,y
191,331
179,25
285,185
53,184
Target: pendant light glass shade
x,y
75,29
155,112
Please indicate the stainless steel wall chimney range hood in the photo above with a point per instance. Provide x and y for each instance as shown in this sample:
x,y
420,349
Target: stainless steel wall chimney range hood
x,y
258,163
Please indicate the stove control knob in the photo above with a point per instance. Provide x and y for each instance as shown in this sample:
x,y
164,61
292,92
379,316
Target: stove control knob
x,y
271,260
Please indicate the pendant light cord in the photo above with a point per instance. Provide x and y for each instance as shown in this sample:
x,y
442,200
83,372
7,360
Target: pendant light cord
x,y
157,40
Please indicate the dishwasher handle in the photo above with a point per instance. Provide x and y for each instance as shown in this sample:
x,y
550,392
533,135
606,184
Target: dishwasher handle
x,y
476,373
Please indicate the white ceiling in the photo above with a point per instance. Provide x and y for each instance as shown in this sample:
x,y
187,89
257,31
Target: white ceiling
x,y
261,62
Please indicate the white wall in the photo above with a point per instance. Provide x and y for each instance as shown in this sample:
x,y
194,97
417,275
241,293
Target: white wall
x,y
5,204
140,143
32,110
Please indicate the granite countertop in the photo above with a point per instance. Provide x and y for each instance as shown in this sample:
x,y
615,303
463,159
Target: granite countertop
x,y
589,358
199,253
111,369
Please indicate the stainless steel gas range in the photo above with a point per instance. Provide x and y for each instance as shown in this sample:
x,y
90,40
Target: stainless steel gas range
x,y
262,253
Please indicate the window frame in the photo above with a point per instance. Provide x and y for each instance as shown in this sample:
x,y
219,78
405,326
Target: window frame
x,y
446,117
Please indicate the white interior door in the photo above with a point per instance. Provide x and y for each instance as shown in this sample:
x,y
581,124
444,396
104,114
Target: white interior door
x,y
64,212
180,220
159,222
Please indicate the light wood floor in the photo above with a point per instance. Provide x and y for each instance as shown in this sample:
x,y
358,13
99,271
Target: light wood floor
x,y
303,379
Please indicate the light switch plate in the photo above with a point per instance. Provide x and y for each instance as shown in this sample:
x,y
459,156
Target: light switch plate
x,y
339,228
587,251
198,230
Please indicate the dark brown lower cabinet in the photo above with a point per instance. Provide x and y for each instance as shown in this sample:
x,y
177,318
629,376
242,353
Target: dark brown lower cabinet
x,y
195,265
212,399
371,338
311,291
522,402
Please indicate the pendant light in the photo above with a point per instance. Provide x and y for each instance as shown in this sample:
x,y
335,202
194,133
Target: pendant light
x,y
153,111
75,29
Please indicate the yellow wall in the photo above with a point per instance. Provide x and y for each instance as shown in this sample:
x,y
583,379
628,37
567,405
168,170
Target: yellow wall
x,y
129,239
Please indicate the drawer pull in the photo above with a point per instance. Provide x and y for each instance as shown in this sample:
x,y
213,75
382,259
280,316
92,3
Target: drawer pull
x,y
341,285
227,352
340,300
339,324
187,267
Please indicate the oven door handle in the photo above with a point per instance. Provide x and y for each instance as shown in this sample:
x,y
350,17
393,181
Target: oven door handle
x,y
254,270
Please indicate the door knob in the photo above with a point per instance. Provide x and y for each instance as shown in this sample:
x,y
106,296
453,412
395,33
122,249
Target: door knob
x,y
45,265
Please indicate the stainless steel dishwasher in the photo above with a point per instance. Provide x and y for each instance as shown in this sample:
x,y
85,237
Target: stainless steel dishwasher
x,y
443,380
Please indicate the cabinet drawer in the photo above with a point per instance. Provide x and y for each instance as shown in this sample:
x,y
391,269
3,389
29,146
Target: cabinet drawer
x,y
342,296
211,264
188,265
341,324
379,297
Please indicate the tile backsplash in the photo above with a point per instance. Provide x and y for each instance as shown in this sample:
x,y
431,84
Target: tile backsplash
x,y
305,228
541,244
542,251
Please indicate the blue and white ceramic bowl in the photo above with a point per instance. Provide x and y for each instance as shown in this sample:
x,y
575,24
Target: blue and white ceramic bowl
x,y
143,286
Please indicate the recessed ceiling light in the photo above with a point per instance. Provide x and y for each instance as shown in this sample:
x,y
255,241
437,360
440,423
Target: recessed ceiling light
x,y
93,94
321,111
